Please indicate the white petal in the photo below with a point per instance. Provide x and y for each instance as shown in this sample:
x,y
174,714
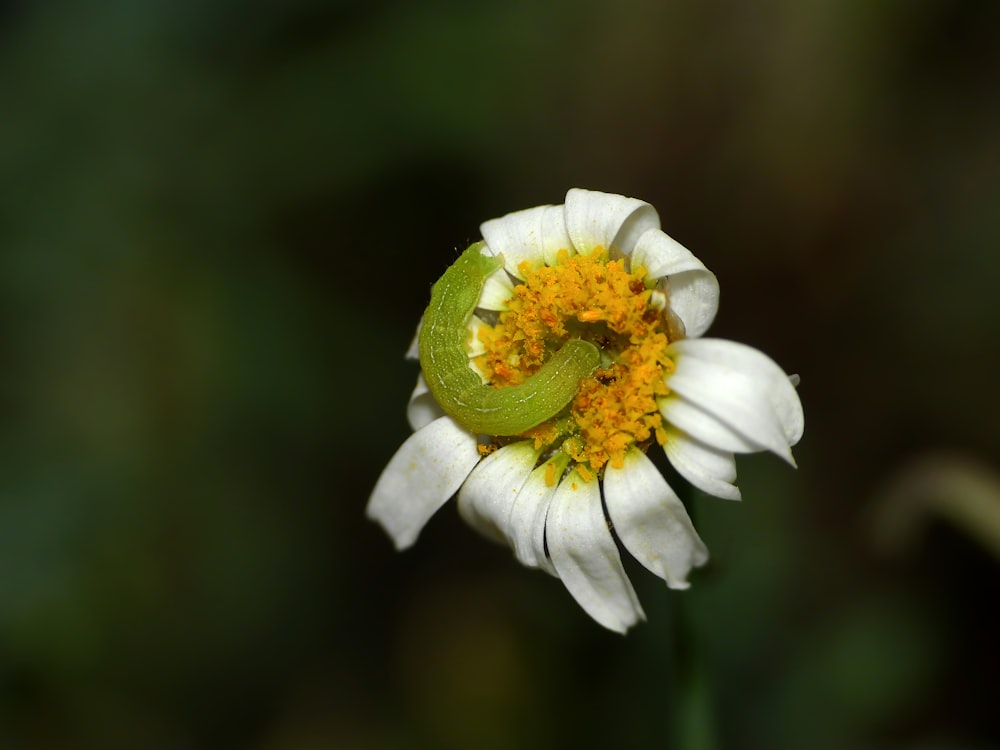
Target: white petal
x,y
518,237
475,346
422,409
734,398
738,393
496,291
694,297
607,220
731,364
527,517
585,555
694,290
662,255
486,498
705,427
426,470
554,234
651,521
710,470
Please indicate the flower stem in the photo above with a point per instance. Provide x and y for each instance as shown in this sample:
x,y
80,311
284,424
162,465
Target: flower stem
x,y
694,715
694,726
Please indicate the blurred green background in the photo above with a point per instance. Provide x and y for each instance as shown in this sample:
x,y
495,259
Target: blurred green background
x,y
219,223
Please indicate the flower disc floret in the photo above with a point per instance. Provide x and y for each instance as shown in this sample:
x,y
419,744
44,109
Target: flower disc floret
x,y
600,300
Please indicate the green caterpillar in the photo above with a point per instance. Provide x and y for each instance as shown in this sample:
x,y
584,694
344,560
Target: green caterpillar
x,y
459,390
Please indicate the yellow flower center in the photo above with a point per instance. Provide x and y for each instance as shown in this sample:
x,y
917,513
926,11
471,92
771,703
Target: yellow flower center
x,y
597,299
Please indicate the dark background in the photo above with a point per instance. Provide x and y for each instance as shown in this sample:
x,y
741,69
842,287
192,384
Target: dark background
x,y
219,223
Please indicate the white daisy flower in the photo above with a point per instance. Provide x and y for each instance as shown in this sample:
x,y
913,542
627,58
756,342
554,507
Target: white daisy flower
x,y
575,472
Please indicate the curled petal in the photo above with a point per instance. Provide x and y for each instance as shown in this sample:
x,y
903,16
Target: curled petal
x,y
475,346
743,386
585,556
662,255
735,395
422,409
705,427
554,234
694,297
651,521
496,291
427,470
734,398
518,237
694,290
527,517
710,470
610,221
486,498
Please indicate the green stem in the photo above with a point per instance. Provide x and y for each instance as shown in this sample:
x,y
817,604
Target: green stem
x,y
694,720
694,717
